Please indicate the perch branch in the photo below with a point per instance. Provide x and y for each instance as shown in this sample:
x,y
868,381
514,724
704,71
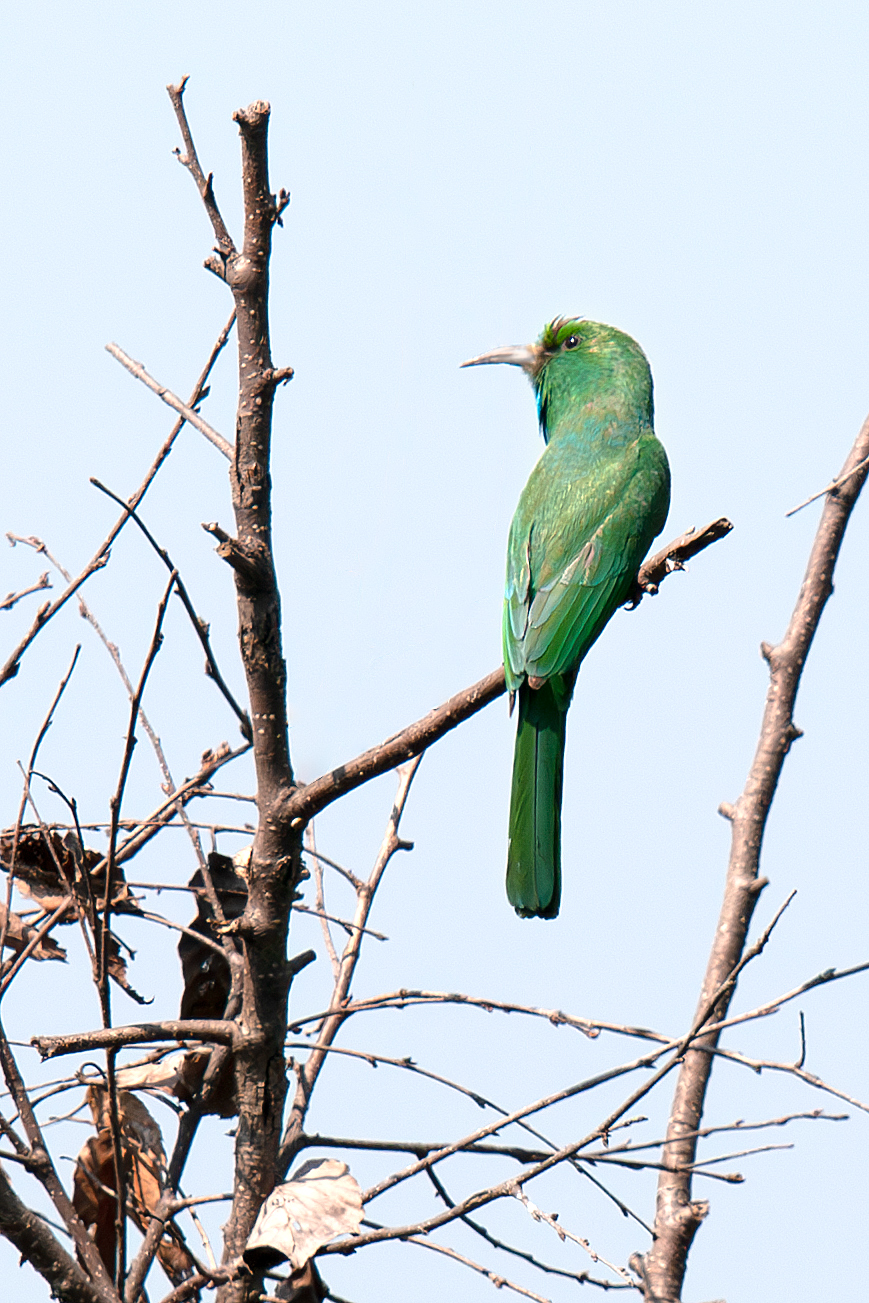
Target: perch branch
x,y
306,801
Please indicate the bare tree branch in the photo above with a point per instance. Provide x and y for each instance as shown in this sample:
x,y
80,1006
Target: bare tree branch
x,y
101,556
200,626
37,1245
112,1038
406,998
499,1281
335,1016
678,1216
276,858
191,416
675,555
308,800
12,599
44,1169
190,160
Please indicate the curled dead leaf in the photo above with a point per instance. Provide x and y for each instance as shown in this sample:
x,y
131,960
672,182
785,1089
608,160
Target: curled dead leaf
x,y
48,863
320,1202
19,934
206,973
144,1161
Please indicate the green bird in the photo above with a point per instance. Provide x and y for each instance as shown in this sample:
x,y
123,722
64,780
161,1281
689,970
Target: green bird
x,y
595,500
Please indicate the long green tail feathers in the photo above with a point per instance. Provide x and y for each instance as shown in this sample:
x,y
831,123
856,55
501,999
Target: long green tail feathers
x,y
534,846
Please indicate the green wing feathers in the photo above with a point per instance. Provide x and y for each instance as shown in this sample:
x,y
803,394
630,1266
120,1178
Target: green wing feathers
x,y
576,543
534,848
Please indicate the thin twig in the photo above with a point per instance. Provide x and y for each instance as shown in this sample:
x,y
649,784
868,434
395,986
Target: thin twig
x,y
200,627
310,844
45,1171
335,1016
191,416
101,556
563,1234
499,1281
405,998
678,1216
832,487
25,796
581,1277
11,599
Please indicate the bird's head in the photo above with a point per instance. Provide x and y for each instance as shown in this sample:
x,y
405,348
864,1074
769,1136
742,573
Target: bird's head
x,y
575,359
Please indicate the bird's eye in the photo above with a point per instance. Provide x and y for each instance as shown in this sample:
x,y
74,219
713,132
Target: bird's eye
x,y
572,341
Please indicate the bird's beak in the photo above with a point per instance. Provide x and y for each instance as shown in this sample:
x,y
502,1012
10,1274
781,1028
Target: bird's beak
x,y
525,355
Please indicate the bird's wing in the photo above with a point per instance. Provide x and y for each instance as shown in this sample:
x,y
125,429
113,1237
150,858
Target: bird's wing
x,y
566,615
564,581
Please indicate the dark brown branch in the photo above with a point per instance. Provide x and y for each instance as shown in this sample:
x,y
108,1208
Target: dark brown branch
x,y
148,828
38,1246
113,1038
678,1216
307,801
190,160
44,1169
200,627
675,555
275,861
101,556
248,560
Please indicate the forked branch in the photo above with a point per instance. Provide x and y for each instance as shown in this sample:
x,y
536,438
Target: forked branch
x,y
678,1216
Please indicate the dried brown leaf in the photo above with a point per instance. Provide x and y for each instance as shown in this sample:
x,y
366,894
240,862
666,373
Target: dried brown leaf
x,y
206,973
19,935
145,1172
320,1202
118,970
46,864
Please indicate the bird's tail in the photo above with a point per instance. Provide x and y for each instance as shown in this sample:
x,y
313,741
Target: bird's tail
x,y
534,847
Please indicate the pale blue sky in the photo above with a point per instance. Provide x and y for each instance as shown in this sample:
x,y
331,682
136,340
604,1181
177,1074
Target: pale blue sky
x,y
461,173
